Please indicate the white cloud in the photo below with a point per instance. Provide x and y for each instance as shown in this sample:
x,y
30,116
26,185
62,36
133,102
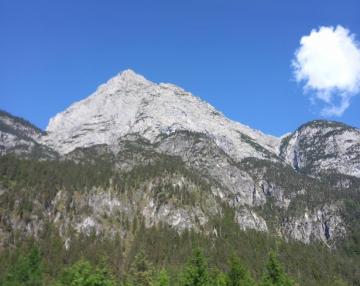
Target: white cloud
x,y
328,64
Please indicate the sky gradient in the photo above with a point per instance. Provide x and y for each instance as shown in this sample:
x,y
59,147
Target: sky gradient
x,y
234,54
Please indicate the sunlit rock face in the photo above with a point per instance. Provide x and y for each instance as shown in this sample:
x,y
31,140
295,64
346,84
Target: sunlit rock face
x,y
322,224
128,103
18,136
323,146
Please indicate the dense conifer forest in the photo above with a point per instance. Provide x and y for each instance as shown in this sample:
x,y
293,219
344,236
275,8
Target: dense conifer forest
x,y
29,269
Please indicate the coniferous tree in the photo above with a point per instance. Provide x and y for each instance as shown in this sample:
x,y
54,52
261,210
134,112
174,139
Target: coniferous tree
x,y
274,273
196,272
141,271
83,273
238,275
161,279
218,278
27,270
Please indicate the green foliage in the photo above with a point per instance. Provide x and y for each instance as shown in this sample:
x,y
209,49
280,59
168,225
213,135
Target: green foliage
x,y
161,278
142,271
220,279
339,282
26,271
274,273
238,275
83,273
196,272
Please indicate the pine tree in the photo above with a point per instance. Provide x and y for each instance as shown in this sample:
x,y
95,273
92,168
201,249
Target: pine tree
x,y
274,274
196,272
161,279
218,278
238,275
83,273
141,271
27,270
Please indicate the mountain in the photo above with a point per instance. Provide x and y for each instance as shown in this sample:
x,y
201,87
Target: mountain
x,y
19,136
130,104
139,164
321,146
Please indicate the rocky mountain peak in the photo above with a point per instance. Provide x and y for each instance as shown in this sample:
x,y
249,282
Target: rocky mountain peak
x,y
126,81
127,77
128,103
130,75
322,145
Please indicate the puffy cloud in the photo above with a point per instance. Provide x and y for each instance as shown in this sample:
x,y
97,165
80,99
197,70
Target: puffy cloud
x,y
328,64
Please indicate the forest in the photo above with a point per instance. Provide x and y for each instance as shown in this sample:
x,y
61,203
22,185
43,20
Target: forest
x,y
28,269
166,255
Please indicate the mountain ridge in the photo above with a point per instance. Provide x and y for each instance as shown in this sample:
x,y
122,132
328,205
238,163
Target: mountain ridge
x,y
128,104
149,109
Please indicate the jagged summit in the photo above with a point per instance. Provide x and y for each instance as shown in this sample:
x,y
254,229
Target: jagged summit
x,y
126,80
130,75
129,103
126,77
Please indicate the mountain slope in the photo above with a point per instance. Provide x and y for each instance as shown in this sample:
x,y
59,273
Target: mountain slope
x,y
323,146
129,104
19,136
94,199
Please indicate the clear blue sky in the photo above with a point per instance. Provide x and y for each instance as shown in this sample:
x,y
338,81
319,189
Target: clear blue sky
x,y
234,54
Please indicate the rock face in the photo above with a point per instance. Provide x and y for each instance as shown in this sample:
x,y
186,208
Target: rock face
x,y
323,224
321,146
167,158
248,219
19,136
128,104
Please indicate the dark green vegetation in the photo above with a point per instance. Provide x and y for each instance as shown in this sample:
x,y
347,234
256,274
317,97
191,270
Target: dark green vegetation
x,y
28,270
32,186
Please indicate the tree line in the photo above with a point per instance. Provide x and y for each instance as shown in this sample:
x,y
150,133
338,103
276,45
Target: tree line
x,y
28,271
